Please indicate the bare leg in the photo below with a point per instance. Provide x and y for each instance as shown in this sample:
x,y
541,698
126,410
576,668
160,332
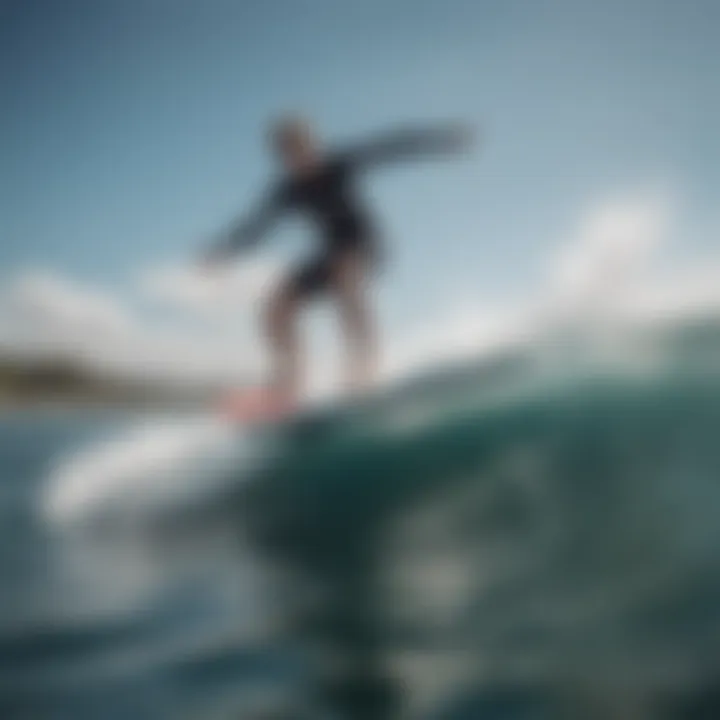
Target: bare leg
x,y
350,285
281,331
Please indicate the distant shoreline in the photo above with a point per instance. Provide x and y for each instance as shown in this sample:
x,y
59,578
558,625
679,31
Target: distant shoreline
x,y
59,383
69,404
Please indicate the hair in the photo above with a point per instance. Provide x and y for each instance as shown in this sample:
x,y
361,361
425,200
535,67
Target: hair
x,y
287,127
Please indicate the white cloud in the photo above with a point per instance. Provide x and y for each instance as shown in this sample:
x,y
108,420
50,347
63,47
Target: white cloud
x,y
607,272
613,267
46,314
608,269
611,250
693,290
460,330
43,312
211,291
50,299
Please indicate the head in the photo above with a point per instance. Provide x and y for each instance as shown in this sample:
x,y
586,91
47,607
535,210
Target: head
x,y
293,141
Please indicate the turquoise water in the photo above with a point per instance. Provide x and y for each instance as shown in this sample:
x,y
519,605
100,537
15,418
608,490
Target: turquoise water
x,y
518,539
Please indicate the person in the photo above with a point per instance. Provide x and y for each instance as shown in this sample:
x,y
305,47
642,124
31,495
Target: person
x,y
320,183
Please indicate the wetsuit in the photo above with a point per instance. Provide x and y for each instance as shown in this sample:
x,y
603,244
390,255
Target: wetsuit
x,y
327,195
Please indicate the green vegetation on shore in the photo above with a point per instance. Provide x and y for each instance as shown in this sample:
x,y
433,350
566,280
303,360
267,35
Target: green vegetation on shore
x,y
29,381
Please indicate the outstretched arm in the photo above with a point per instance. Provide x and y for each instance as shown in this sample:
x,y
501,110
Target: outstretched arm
x,y
409,143
247,231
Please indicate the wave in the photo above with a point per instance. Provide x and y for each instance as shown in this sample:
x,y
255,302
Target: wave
x,y
524,524
540,522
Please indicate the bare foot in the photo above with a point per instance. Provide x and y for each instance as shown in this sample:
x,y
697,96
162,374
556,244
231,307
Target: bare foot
x,y
260,404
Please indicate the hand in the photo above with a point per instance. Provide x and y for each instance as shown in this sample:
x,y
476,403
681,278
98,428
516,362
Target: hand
x,y
465,135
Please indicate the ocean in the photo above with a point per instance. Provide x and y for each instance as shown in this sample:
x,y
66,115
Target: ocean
x,y
529,535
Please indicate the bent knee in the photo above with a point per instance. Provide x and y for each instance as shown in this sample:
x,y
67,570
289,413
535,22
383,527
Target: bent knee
x,y
356,316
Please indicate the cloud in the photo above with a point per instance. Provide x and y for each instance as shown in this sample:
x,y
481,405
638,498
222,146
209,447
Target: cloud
x,y
608,268
690,291
53,300
607,271
215,291
44,312
461,329
613,267
611,249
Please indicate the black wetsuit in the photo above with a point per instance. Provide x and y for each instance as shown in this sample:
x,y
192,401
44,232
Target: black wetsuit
x,y
327,195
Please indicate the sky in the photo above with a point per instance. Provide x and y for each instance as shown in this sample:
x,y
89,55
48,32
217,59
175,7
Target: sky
x,y
130,130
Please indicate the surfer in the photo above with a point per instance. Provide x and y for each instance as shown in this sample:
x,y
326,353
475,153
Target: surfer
x,y
319,183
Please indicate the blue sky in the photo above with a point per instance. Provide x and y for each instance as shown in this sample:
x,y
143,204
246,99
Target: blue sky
x,y
130,129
